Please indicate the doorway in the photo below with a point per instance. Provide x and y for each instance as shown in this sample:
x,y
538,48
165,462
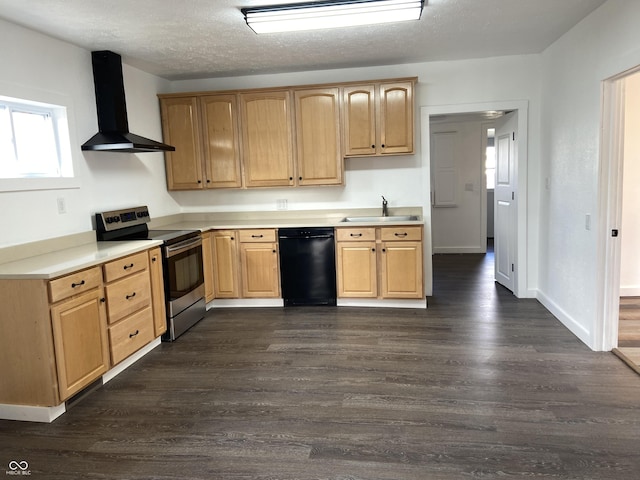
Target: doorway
x,y
620,195
520,170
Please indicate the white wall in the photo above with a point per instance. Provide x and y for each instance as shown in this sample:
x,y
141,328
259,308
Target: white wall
x,y
458,229
400,179
34,62
630,228
605,43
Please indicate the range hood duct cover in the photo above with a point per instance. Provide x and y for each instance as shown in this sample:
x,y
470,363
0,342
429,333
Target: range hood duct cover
x,y
113,127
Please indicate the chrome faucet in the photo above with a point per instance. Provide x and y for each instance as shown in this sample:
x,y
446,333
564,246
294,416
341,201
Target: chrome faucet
x,y
385,211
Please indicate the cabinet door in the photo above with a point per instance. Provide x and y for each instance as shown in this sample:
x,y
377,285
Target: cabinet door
x,y
319,149
267,140
157,292
80,340
395,118
356,268
221,143
260,277
401,269
181,128
207,261
359,120
225,264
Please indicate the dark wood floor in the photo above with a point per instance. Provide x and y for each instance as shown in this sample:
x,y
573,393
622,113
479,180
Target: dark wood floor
x,y
480,385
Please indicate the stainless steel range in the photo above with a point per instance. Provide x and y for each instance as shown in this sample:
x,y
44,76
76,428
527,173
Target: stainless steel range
x,y
181,261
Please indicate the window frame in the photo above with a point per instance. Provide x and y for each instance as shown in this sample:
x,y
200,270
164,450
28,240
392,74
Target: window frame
x,y
61,108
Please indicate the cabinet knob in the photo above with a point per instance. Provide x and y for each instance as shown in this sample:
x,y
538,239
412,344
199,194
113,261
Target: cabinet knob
x,y
382,145
199,181
102,300
299,178
384,250
373,146
208,181
153,259
290,178
373,249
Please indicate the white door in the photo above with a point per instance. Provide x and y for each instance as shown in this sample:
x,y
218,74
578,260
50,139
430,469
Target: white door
x,y
505,200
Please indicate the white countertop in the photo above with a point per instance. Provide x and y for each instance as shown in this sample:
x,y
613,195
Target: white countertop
x,y
59,258
68,260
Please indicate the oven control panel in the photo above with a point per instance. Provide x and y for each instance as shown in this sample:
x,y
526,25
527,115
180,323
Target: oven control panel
x,y
117,219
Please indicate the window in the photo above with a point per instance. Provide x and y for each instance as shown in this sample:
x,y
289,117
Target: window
x,y
490,159
34,140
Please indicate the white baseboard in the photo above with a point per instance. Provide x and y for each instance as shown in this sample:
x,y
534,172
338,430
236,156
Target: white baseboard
x,y
386,303
126,363
630,291
245,302
28,413
445,250
566,319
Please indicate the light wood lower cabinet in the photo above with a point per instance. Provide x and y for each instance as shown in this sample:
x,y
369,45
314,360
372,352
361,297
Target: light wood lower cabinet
x,y
130,315
157,291
79,335
63,334
225,264
245,263
260,266
383,262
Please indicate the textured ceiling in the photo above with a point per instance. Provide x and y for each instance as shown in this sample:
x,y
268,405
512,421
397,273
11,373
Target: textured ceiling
x,y
209,38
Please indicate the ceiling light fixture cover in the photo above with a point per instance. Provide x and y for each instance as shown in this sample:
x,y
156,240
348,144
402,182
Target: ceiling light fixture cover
x,y
330,14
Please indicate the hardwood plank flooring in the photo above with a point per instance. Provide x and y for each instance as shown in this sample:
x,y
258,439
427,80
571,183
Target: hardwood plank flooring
x,y
479,385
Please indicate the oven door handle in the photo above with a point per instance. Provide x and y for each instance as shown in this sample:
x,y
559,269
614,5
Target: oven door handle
x,y
182,247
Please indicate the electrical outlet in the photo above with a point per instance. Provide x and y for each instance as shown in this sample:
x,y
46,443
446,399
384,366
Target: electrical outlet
x,y
282,204
62,205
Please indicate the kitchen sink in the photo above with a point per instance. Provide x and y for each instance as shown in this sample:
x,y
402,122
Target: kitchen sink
x,y
389,218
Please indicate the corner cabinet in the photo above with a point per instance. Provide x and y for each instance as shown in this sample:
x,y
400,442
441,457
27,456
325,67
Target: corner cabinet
x,y
378,119
66,332
204,131
267,138
181,128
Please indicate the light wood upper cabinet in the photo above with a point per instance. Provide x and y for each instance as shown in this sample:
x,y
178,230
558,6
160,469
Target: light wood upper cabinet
x,y
318,139
181,128
221,141
378,119
359,120
267,138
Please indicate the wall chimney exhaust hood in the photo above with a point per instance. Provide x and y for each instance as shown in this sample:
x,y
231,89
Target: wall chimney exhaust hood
x,y
113,127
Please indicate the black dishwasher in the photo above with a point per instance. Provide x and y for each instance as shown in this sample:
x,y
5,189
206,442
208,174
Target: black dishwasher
x,y
307,266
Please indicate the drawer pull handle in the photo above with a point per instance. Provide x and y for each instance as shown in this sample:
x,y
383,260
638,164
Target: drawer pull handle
x,y
257,236
131,296
355,234
127,267
401,234
74,285
131,335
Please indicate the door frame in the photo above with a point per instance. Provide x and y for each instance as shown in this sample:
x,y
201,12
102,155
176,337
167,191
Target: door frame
x,y
610,209
522,106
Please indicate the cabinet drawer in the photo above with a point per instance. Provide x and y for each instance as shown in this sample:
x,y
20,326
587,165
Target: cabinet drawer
x,y
74,283
131,334
128,295
355,234
125,266
401,233
261,235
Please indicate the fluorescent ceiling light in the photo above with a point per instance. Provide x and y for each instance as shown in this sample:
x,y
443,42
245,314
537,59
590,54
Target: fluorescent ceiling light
x,y
330,14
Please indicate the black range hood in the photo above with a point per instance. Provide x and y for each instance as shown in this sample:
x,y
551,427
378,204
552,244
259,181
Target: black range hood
x,y
113,127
